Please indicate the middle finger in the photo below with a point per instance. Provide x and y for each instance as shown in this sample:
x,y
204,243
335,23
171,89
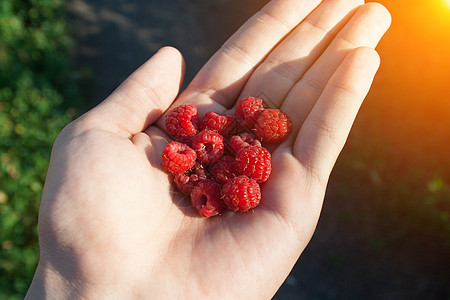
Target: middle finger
x,y
287,63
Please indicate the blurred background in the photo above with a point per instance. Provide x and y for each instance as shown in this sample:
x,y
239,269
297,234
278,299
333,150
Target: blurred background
x,y
385,229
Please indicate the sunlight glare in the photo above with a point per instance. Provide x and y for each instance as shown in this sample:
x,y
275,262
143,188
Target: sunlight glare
x,y
447,3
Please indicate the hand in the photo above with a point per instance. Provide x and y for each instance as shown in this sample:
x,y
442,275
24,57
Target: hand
x,y
112,226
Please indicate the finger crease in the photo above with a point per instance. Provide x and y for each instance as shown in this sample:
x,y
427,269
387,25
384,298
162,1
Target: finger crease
x,y
283,70
326,129
238,54
150,92
340,86
267,13
349,41
313,83
316,26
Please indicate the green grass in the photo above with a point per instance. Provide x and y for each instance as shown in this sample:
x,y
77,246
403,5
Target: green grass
x,y
39,95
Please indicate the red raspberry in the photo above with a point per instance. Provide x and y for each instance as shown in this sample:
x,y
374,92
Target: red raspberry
x,y
183,120
178,158
241,193
223,124
186,181
254,162
206,197
242,140
273,125
247,111
209,146
224,169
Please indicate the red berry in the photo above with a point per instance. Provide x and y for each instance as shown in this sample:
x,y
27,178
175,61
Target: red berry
x,y
183,120
178,158
186,181
197,161
245,139
273,125
209,146
241,193
206,197
224,169
254,162
247,111
223,124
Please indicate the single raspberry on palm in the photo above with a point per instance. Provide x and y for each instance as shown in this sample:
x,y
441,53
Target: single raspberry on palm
x,y
247,111
254,162
273,125
186,181
242,140
209,146
182,121
224,169
206,197
178,158
223,124
241,193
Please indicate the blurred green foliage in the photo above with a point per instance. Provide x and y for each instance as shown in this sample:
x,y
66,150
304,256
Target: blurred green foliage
x,y
401,183
35,77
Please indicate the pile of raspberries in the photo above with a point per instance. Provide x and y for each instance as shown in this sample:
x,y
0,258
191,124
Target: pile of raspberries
x,y
219,160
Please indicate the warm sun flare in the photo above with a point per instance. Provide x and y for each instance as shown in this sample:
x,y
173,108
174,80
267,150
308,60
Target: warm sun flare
x,y
447,3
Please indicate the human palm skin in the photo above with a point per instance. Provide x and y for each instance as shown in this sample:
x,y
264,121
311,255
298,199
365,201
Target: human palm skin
x,y
111,224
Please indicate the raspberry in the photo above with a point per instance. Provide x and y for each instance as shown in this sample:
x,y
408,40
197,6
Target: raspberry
x,y
241,193
224,169
178,158
186,181
199,166
223,124
183,120
254,162
209,146
206,197
273,125
242,140
247,111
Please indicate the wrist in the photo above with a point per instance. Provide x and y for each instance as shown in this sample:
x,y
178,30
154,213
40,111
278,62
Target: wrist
x,y
49,283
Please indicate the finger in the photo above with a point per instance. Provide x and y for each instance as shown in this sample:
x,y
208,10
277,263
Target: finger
x,y
224,75
142,97
365,28
285,65
324,132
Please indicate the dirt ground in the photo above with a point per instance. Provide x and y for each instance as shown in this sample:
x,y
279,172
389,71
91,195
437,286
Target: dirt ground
x,y
345,259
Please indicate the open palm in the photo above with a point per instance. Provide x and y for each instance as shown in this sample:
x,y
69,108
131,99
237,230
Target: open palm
x,y
112,225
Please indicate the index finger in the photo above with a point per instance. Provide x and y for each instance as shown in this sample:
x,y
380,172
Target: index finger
x,y
224,75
